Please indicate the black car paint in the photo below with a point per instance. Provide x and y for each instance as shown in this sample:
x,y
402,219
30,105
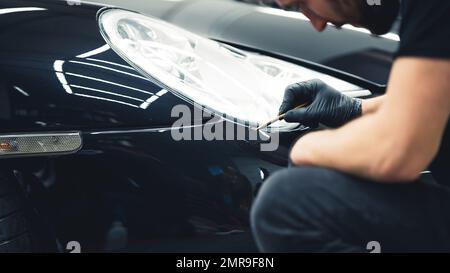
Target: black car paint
x,y
190,193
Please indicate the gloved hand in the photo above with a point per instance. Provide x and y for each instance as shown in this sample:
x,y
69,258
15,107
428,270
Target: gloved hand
x,y
326,105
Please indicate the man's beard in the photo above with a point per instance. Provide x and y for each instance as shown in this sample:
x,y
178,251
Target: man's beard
x,y
379,18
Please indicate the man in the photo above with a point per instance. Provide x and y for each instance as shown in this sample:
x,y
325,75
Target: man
x,y
360,181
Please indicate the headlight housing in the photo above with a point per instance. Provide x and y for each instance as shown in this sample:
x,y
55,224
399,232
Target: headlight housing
x,y
242,85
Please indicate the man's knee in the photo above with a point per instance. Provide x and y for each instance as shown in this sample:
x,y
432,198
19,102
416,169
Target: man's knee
x,y
271,193
294,183
291,183
285,197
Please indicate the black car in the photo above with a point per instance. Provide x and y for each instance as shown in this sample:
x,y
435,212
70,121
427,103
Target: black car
x,y
98,147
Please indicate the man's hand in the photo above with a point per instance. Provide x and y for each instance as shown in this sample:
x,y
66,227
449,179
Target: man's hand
x,y
326,105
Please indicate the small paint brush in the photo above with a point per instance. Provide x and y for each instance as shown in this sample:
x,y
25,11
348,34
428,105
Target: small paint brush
x,y
280,117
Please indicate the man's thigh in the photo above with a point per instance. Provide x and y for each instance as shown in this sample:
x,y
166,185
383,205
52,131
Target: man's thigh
x,y
316,209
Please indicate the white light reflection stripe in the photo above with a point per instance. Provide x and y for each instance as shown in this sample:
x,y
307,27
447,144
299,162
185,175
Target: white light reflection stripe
x,y
390,36
68,89
61,78
357,93
146,104
14,10
301,16
152,99
105,99
95,51
162,92
111,69
108,82
58,65
279,12
20,90
105,92
111,63
63,81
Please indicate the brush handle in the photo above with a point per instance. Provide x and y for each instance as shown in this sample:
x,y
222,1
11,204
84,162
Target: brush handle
x,y
280,117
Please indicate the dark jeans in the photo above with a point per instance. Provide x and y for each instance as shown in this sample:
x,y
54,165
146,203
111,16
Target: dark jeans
x,y
311,209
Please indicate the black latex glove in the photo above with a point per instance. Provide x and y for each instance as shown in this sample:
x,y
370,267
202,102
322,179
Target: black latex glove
x,y
326,105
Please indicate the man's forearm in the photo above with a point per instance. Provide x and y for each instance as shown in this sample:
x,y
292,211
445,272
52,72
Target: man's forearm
x,y
370,106
365,147
395,142
350,149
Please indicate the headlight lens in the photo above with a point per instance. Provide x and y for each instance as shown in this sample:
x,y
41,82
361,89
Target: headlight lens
x,y
242,85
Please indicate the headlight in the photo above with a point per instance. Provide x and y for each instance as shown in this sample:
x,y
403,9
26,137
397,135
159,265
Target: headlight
x,y
241,85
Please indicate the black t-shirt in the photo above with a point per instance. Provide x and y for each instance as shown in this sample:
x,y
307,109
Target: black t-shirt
x,y
425,32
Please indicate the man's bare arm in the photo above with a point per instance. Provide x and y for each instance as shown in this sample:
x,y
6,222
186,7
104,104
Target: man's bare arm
x,y
372,105
396,141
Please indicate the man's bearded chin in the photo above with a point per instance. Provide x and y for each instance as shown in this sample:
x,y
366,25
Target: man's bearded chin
x,y
379,18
